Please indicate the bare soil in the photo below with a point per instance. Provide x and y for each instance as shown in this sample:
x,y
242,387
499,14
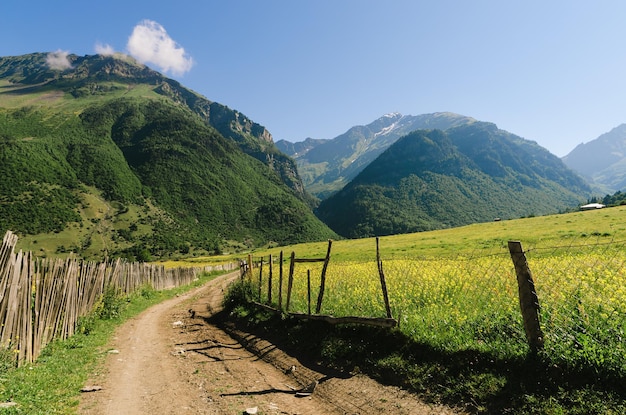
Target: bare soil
x,y
170,360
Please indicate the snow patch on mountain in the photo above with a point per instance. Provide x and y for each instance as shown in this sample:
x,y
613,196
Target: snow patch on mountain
x,y
386,130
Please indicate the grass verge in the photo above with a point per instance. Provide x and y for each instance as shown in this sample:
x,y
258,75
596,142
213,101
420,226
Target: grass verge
x,y
52,384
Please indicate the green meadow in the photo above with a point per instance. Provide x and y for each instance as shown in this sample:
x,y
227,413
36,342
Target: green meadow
x,y
454,293
472,240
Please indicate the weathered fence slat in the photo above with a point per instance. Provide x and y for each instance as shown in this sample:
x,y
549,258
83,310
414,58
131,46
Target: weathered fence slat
x,y
10,322
26,327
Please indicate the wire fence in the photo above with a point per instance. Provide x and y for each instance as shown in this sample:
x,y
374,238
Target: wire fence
x,y
472,302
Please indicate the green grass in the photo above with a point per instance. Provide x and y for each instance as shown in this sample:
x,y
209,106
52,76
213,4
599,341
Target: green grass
x,y
471,240
56,99
52,384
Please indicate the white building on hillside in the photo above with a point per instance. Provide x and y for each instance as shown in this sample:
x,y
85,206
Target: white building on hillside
x,y
592,206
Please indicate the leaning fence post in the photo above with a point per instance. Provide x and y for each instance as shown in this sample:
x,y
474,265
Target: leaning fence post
x,y
529,303
320,296
383,283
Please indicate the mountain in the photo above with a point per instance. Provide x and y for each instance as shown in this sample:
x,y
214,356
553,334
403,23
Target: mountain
x,y
603,160
108,157
431,179
327,166
95,76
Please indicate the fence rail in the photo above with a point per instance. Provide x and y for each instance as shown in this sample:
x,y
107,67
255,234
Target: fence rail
x,y
43,299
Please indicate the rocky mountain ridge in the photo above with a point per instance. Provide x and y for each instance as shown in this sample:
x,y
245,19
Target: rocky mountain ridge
x,y
328,165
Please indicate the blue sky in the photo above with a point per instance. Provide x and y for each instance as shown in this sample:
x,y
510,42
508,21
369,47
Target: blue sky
x,y
549,71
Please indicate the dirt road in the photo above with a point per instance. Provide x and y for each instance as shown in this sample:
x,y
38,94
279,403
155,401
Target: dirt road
x,y
169,360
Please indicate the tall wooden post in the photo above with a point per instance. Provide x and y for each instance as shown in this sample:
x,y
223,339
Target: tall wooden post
x,y
269,282
529,303
323,279
308,283
260,277
280,282
383,283
249,267
290,281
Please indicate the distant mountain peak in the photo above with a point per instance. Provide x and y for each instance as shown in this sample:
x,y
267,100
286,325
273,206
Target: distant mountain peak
x,y
326,166
392,115
395,118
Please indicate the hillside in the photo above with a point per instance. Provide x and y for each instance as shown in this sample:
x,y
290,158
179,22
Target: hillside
x,y
603,160
328,165
96,77
111,158
430,179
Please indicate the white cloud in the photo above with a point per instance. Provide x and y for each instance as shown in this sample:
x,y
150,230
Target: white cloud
x,y
58,60
105,50
150,43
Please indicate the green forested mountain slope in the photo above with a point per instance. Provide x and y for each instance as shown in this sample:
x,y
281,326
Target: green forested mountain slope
x,y
98,160
430,179
96,77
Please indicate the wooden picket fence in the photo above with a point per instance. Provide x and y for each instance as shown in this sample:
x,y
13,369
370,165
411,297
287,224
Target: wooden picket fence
x,y
43,299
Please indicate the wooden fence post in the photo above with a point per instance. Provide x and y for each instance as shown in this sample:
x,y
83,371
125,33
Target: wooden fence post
x,y
290,281
529,303
249,273
260,277
383,283
280,282
323,279
308,282
269,282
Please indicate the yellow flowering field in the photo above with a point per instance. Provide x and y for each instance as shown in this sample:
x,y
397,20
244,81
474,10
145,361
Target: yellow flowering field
x,y
466,303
